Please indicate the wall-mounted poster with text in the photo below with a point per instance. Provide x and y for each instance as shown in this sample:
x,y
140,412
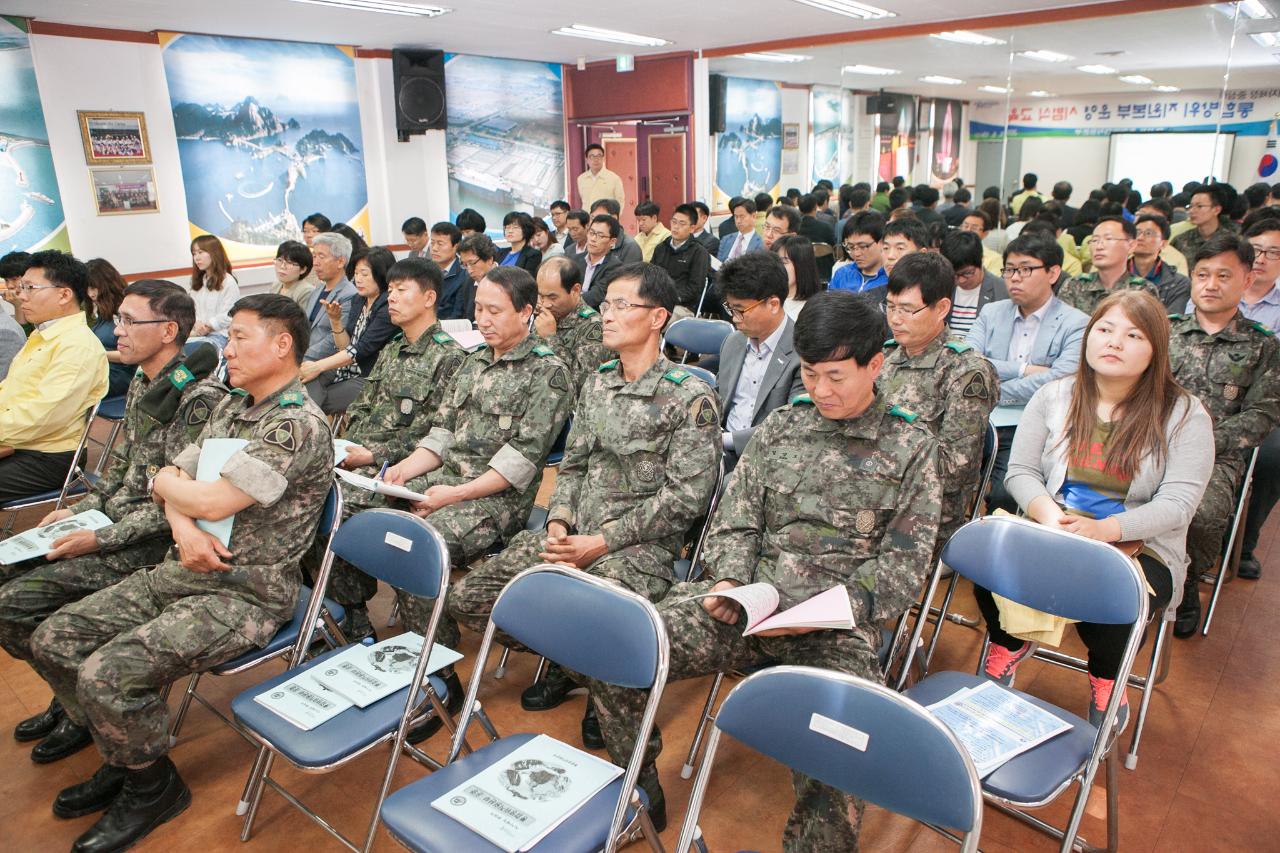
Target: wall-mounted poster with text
x,y
749,152
268,133
824,134
944,139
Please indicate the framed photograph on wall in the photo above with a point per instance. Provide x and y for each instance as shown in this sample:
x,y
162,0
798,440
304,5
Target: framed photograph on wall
x,y
790,136
124,190
114,139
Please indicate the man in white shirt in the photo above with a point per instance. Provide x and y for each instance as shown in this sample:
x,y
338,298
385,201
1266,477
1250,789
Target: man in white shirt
x,y
559,220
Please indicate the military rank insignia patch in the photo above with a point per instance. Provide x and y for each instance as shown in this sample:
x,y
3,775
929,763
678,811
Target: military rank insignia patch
x,y
1231,392
646,471
865,521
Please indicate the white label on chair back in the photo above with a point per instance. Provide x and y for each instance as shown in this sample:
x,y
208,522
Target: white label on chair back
x,y
836,730
397,541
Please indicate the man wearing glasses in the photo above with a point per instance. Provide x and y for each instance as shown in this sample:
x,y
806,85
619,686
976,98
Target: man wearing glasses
x,y
975,285
1205,215
1152,234
599,261
861,236
597,182
1112,242
54,378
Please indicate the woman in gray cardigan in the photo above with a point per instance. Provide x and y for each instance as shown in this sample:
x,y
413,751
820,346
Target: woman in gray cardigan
x,y
1119,453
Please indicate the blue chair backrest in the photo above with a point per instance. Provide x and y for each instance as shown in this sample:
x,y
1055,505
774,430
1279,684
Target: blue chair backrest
x,y
1050,570
990,442
395,547
332,511
702,373
910,763
585,624
699,335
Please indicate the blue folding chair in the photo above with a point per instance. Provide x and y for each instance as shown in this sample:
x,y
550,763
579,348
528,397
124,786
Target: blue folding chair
x,y
76,482
111,410
702,373
556,455
697,335
550,609
851,734
405,552
1064,575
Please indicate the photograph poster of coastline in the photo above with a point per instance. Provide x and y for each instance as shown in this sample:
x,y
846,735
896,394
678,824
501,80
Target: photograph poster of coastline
x,y
505,139
824,134
31,214
749,152
268,133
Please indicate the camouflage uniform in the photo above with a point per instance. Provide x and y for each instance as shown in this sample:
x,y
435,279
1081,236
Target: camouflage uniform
x,y
161,417
109,656
502,415
1236,374
812,503
1190,241
639,470
577,341
1084,292
953,390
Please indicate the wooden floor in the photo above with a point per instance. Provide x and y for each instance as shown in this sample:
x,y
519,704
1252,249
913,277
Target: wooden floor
x,y
1206,778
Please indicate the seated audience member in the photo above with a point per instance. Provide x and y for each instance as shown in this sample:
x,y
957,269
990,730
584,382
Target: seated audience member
x,y
1150,233
330,253
1118,453
414,230
743,238
649,229
759,368
861,236
997,234
469,222
901,238
457,297
1028,192
899,202
333,382
1061,196
559,220
1047,225
575,244
836,487
781,221
316,223
1086,218
728,226
1167,254
214,290
599,262
638,473
57,375
169,401
106,292
1206,215
796,254
12,266
1232,364
763,201
293,269
685,260
543,240
946,383
824,213
702,233
358,244
12,340
1030,339
625,250
880,201
924,201
1030,210
1111,244
817,230
109,657
566,323
975,285
477,255
956,213
517,229
978,222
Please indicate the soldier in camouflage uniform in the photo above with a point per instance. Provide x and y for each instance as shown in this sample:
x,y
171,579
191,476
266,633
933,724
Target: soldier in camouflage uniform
x,y
566,323
1233,365
947,383
1205,213
398,405
840,487
168,403
109,656
1112,243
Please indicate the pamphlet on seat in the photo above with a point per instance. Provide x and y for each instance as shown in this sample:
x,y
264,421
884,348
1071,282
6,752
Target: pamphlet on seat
x,y
365,674
520,799
372,484
995,724
303,702
831,609
214,453
38,541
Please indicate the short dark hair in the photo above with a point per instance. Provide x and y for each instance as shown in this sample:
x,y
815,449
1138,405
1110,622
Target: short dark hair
x,y
1030,209
822,194
754,275
1221,243
647,208
298,253
1161,204
420,271
899,181
962,249
868,222
656,286
167,301
470,220
745,203
319,221
595,146
700,207
448,229
1062,191
615,227
687,210
788,213
1130,230
763,201
282,312
808,203
962,196
379,260
924,195
898,198
520,287
580,216
14,264
836,325
991,192
980,214
1159,221
1262,222
1045,227
858,198
912,229
1255,195
559,204
1215,193
479,245
883,186
1029,181
415,225
64,270
1038,246
930,271
609,204
570,275
524,220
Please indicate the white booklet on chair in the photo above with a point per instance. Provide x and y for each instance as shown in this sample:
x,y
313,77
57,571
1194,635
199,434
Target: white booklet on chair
x,y
518,800
38,541
365,674
372,484
303,702
831,609
996,724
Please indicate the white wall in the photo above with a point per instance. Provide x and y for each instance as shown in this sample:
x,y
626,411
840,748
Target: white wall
x,y
700,125
795,110
1080,160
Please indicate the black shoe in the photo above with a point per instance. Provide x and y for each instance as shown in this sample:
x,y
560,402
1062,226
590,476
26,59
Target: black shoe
x,y
355,627
65,739
91,796
418,734
149,797
37,727
592,738
657,799
1249,569
1188,615
549,692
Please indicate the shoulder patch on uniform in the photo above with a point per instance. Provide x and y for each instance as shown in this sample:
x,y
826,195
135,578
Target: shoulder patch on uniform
x,y
704,412
543,350
676,375
978,386
587,311
180,377
442,337
906,414
890,344
283,435
594,332
802,400
199,411
291,398
1261,328
559,380
958,346
608,365
239,392
1177,316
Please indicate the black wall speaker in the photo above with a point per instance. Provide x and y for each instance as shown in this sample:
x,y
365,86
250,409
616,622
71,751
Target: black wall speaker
x,y
719,88
882,104
418,79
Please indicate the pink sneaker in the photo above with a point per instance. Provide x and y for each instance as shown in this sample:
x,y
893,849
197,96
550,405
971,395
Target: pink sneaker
x,y
1002,665
1099,695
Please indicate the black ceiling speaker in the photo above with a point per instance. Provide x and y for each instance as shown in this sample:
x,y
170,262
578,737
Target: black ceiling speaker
x,y
418,78
882,104
719,85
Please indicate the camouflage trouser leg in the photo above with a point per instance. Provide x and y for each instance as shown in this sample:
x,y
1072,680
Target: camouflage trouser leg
x,y
1205,536
28,600
109,657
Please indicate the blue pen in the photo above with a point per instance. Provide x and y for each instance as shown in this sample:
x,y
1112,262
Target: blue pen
x,y
385,466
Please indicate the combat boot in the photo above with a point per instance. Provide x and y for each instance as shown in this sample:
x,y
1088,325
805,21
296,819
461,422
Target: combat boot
x,y
37,727
93,795
1187,617
550,691
150,796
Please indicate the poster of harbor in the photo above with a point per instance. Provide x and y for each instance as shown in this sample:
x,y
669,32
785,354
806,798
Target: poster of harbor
x,y
31,214
268,133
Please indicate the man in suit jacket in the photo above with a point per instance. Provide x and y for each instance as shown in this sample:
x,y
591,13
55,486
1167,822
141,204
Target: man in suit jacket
x,y
701,233
599,262
759,368
625,250
457,298
744,238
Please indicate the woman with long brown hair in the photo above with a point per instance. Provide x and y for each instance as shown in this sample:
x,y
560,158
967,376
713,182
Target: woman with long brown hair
x,y
1119,453
106,292
214,290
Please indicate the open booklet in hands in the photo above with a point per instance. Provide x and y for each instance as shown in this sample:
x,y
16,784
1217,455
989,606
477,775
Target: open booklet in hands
x,y
831,609
381,487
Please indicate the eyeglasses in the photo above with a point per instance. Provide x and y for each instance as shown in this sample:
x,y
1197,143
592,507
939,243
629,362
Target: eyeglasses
x,y
285,262
621,305
468,264
889,309
1144,234
600,236
1098,241
739,313
1200,206
1268,252
969,272
27,288
1014,273
854,248
124,321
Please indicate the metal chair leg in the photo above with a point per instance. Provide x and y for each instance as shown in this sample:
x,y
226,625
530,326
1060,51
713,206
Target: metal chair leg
x,y
255,797
501,669
181,714
541,671
1113,806
242,806
696,746
1152,679
1230,554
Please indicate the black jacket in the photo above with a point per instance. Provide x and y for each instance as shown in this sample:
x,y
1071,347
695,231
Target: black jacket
x,y
529,261
688,267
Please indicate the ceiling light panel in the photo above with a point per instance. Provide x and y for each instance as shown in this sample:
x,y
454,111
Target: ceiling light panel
x,y
583,31
850,9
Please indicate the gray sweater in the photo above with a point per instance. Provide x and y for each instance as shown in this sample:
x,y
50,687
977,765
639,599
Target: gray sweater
x,y
1162,497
